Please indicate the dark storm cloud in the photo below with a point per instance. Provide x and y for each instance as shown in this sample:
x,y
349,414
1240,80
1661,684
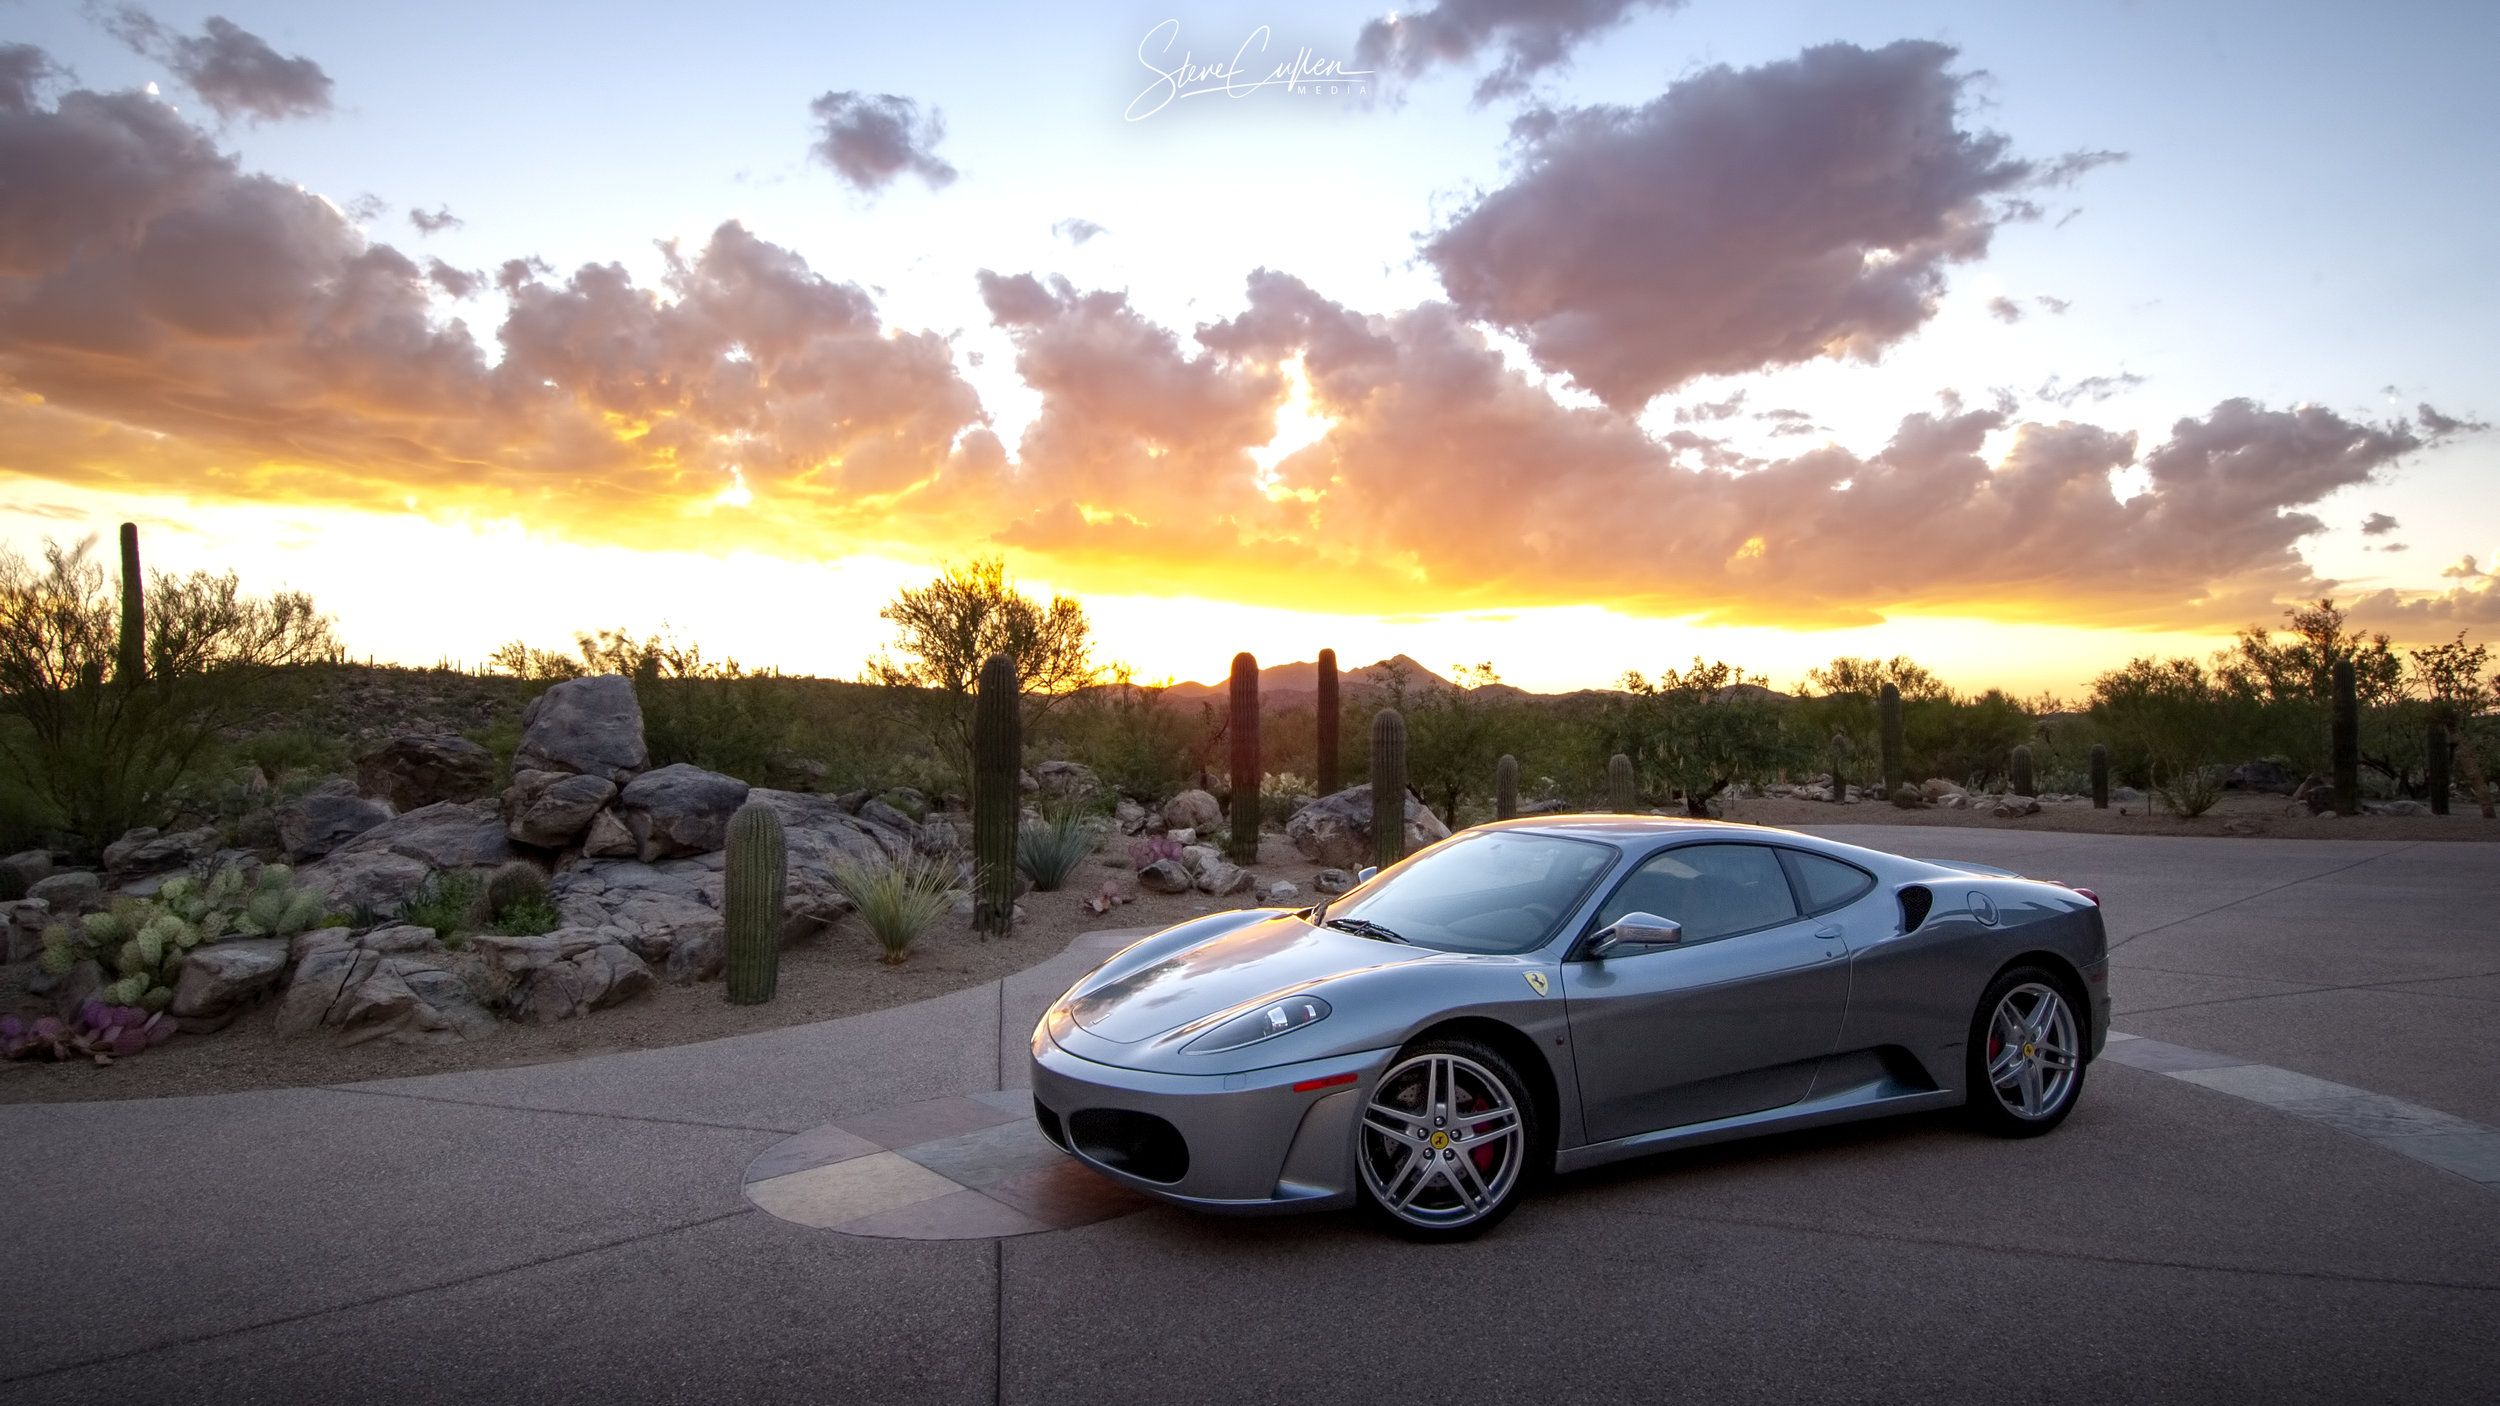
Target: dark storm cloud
x,y
1746,218
871,138
1531,36
232,69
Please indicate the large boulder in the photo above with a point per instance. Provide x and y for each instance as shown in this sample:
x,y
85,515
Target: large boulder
x,y
371,881
70,891
445,835
680,809
591,979
312,826
1192,810
218,978
1066,781
1165,876
1336,831
551,809
591,726
32,865
146,850
2262,776
423,768
386,985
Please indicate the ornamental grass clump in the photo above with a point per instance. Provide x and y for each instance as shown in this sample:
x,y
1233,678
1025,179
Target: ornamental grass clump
x,y
2189,791
1048,850
898,900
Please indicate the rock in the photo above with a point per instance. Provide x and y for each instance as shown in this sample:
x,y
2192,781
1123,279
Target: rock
x,y
800,772
33,865
22,922
2125,796
1221,877
304,942
1165,876
593,979
409,1001
551,809
1066,781
322,978
1336,831
1192,810
2395,808
938,837
1184,837
425,768
696,955
910,800
77,989
70,891
145,851
1281,891
1197,858
445,835
1936,788
400,938
1331,881
312,826
218,978
607,838
366,881
2262,776
879,813
588,726
680,809
1129,816
2010,807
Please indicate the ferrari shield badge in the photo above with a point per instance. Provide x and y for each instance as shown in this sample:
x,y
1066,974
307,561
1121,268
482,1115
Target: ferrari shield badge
x,y
1536,980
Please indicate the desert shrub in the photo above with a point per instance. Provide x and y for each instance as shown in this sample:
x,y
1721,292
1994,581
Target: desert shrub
x,y
449,902
2189,791
1049,849
1697,732
897,900
1139,745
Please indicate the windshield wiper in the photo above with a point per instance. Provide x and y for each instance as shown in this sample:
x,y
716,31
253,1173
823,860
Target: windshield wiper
x,y
1363,928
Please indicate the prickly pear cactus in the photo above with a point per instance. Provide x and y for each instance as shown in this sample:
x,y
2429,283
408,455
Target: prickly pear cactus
x,y
752,879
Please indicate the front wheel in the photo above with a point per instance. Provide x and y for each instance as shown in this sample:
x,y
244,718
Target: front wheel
x,y
2026,1055
1446,1140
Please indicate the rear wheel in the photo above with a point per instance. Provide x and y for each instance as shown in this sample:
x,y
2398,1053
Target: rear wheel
x,y
2026,1055
1446,1139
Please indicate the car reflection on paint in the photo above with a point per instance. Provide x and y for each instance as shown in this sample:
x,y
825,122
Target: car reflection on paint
x,y
1562,992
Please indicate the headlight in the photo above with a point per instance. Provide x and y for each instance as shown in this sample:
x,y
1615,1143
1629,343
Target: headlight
x,y
1264,1021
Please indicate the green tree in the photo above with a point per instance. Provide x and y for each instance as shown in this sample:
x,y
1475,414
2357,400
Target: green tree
x,y
2302,665
946,629
1695,733
111,753
2160,716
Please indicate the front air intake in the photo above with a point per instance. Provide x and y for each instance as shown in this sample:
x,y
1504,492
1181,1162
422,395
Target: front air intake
x,y
1050,1125
1915,901
1124,1140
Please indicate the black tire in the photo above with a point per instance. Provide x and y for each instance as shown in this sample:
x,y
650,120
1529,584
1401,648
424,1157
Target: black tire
x,y
1416,1172
2025,1090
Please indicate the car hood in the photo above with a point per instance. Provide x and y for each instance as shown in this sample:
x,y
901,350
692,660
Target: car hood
x,y
1281,954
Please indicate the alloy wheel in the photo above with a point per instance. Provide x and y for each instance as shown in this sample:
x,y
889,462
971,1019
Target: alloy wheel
x,y
1443,1141
2034,1058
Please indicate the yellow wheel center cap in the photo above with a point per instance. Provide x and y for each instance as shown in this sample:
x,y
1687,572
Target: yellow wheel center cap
x,y
1439,1141
2030,1050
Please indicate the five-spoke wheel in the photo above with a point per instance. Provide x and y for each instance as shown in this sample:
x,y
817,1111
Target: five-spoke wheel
x,y
1446,1140
2026,1055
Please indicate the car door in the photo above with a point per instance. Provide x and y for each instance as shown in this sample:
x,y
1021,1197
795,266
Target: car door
x,y
1731,1020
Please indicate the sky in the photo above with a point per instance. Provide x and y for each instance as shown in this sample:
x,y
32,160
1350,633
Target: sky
x,y
1572,336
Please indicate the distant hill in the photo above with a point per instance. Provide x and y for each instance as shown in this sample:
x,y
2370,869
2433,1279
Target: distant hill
x,y
1300,680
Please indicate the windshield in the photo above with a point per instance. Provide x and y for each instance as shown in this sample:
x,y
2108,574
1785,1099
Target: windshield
x,y
1497,891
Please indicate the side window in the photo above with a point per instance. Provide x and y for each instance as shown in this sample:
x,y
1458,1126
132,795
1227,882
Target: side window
x,y
1713,890
1825,883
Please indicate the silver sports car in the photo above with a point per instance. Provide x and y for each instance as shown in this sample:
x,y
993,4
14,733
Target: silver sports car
x,y
1550,994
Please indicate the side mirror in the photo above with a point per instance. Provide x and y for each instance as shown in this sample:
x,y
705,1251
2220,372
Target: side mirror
x,y
1364,876
1633,931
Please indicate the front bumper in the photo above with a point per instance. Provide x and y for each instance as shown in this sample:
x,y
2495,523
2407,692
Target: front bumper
x,y
1255,1144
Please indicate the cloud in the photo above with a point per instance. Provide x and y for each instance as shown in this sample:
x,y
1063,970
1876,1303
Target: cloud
x,y
2054,306
1746,218
2005,309
1708,411
1531,36
2378,525
871,138
232,69
2445,426
435,221
23,69
459,283
2091,388
1077,231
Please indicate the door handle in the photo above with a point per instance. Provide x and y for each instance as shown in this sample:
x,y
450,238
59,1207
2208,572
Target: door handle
x,y
1830,932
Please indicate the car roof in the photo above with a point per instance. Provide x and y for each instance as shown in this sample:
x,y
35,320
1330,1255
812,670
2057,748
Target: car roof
x,y
1637,827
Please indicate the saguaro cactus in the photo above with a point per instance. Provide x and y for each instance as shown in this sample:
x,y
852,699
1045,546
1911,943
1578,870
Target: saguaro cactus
x,y
1888,711
133,662
1388,787
752,878
2435,767
1842,751
1245,728
2023,785
2347,739
2100,776
997,758
1506,788
1622,794
1331,776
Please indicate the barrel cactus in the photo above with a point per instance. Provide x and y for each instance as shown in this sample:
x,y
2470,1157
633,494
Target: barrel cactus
x,y
1244,848
752,879
2023,784
1622,791
1506,788
1388,787
1888,712
997,763
1331,776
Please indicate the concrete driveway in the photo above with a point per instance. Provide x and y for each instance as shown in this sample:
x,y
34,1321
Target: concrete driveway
x,y
576,1231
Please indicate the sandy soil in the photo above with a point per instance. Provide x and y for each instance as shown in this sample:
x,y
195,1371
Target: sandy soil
x,y
839,975
835,975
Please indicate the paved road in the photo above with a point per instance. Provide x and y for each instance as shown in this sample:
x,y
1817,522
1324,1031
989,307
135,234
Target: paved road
x,y
575,1231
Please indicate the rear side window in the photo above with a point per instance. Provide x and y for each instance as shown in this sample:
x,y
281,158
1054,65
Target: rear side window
x,y
1714,890
1824,883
